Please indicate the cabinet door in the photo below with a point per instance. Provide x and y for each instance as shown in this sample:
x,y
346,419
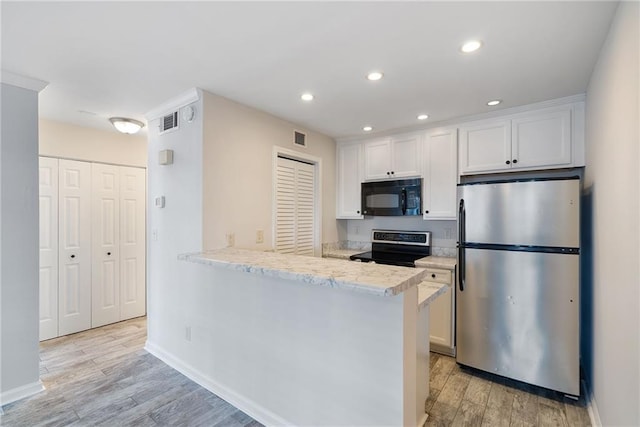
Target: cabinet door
x,y
132,243
377,159
105,242
349,181
485,147
74,259
441,321
440,177
406,156
542,139
48,187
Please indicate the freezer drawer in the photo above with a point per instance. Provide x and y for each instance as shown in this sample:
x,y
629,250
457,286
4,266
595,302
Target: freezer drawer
x,y
535,213
518,316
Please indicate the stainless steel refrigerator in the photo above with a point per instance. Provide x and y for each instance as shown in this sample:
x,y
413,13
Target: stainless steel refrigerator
x,y
517,312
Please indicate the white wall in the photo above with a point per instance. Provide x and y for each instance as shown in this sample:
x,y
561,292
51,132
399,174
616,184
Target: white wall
x,y
174,229
611,355
19,365
238,169
75,142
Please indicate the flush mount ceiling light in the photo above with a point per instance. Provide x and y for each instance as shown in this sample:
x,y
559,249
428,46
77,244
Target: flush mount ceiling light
x,y
423,117
374,75
306,97
494,102
471,46
367,128
125,125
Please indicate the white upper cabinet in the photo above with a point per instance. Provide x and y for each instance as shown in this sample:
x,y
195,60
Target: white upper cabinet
x,y
349,179
485,146
395,157
541,139
440,174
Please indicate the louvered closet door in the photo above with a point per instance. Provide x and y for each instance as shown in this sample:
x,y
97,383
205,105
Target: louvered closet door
x,y
295,201
48,187
74,258
105,244
132,243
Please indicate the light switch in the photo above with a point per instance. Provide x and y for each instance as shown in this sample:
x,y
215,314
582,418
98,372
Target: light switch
x,y
159,202
165,157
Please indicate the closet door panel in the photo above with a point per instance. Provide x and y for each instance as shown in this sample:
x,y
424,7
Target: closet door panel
x,y
105,244
74,258
132,243
48,193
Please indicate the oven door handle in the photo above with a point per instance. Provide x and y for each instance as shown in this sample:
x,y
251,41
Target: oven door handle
x,y
403,201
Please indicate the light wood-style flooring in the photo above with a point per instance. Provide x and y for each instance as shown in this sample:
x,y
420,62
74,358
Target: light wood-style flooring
x,y
463,396
104,377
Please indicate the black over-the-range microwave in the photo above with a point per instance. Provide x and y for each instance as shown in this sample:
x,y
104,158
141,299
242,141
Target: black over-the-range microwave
x,y
392,198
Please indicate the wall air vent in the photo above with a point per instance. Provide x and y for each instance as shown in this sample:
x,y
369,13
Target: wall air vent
x,y
169,122
299,139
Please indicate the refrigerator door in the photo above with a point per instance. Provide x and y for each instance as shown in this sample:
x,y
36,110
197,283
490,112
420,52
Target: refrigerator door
x,y
518,317
530,213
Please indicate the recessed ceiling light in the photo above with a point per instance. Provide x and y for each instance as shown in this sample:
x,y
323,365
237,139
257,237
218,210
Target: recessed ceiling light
x,y
306,97
367,128
494,102
423,117
471,46
374,75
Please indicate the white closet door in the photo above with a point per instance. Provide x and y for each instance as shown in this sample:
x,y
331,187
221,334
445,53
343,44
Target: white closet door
x,y
295,205
105,244
132,243
48,185
74,287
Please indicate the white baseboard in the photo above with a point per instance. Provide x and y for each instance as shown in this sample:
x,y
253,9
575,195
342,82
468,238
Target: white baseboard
x,y
248,406
592,407
21,392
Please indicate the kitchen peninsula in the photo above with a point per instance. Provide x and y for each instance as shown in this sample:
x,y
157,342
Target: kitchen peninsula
x,y
297,340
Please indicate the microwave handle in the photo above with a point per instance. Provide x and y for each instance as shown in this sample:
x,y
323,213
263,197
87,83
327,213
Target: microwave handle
x,y
403,201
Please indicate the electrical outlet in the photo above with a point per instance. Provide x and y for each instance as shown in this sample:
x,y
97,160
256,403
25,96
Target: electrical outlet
x,y
260,236
447,233
231,239
187,333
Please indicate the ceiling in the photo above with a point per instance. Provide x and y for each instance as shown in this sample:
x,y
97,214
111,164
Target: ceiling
x,y
106,59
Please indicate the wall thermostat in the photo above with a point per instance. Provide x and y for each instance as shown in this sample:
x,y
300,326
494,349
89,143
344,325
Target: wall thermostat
x,y
165,157
159,202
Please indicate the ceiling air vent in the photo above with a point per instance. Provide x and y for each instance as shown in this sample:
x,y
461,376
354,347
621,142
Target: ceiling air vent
x,y
169,122
299,139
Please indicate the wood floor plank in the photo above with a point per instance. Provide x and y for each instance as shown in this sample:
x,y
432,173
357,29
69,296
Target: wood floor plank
x,y
448,401
478,391
440,373
551,416
577,415
524,408
469,414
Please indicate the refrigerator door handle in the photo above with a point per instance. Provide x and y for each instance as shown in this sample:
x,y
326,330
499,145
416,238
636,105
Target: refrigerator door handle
x,y
461,237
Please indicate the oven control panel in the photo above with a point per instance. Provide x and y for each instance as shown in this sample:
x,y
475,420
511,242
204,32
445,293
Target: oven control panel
x,y
422,238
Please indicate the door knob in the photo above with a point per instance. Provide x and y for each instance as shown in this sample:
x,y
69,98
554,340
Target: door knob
x,y
515,161
508,162
433,275
108,253
73,256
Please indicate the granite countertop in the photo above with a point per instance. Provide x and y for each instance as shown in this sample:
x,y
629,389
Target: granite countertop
x,y
428,291
383,280
448,263
341,253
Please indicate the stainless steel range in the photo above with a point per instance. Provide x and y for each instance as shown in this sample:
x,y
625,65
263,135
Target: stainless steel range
x,y
396,247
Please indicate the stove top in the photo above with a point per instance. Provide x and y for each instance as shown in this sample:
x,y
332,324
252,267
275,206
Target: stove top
x,y
401,248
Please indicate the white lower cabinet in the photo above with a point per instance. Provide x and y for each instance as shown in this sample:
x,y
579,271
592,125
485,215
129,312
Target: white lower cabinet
x,y
442,314
92,245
